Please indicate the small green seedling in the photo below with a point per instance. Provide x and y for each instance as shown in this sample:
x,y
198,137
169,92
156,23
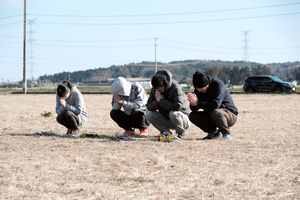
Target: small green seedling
x,y
47,114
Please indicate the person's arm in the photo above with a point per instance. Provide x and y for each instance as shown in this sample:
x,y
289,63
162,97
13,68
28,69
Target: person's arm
x,y
59,108
177,100
115,105
78,103
193,99
152,104
217,95
138,101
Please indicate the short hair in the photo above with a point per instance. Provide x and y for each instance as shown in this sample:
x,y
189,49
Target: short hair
x,y
63,88
158,81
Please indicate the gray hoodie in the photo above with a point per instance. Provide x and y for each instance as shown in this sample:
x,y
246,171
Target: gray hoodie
x,y
74,103
133,95
174,98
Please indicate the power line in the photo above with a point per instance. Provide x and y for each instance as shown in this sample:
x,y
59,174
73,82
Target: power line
x,y
9,36
82,46
168,14
13,23
199,45
7,17
94,41
174,22
197,50
278,48
132,40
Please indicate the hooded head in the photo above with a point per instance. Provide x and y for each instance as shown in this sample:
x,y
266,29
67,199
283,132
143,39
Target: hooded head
x,y
200,80
121,86
162,78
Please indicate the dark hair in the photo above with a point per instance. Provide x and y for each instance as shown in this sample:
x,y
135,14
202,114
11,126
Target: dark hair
x,y
63,88
158,81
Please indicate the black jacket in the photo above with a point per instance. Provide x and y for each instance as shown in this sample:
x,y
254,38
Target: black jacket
x,y
217,96
174,98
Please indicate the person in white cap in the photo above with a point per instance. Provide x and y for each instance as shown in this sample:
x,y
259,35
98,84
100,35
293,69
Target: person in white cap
x,y
132,98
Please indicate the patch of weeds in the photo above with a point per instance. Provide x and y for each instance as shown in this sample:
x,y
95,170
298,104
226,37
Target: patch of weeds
x,y
47,114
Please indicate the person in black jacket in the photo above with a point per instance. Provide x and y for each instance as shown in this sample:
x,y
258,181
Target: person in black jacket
x,y
218,112
167,105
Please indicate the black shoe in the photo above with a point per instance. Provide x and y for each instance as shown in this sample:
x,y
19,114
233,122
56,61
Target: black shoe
x,y
227,136
180,135
213,135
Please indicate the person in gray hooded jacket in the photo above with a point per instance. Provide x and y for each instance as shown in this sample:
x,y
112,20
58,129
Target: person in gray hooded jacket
x,y
170,101
132,98
70,108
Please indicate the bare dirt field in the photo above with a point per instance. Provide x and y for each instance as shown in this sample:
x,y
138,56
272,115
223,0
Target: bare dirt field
x,y
261,162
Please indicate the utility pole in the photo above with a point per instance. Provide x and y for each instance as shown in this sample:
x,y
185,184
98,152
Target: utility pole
x,y
155,56
24,53
246,47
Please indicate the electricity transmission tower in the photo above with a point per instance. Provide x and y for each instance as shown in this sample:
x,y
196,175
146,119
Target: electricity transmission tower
x,y
155,45
246,48
24,52
31,41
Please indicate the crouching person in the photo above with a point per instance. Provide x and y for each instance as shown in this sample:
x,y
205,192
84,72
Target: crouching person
x,y
132,98
70,108
213,109
167,105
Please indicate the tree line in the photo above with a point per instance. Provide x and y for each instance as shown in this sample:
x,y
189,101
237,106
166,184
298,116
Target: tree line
x,y
229,72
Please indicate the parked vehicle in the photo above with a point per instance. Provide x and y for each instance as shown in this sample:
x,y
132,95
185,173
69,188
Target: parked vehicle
x,y
264,83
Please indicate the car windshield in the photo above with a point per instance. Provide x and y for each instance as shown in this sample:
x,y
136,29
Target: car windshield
x,y
276,79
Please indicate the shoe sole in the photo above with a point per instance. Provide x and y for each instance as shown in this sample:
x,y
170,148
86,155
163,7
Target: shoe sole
x,y
227,138
75,136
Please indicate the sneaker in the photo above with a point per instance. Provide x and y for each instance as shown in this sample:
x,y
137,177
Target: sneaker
x,y
130,132
165,133
227,136
144,132
213,135
69,131
75,133
180,135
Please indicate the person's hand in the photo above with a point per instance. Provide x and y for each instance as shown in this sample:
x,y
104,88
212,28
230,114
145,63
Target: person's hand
x,y
62,102
158,96
192,98
118,98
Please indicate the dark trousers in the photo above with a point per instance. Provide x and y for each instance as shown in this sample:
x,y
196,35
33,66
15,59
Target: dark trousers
x,y
69,120
136,119
218,118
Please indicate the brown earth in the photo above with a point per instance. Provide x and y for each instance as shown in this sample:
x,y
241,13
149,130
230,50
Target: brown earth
x,y
261,162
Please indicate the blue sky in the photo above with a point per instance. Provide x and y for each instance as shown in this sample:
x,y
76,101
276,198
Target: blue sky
x,y
72,35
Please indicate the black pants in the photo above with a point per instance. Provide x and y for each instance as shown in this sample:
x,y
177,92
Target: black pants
x,y
218,118
136,119
69,120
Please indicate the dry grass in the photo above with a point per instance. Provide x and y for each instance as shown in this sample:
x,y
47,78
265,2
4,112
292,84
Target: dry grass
x,y
261,162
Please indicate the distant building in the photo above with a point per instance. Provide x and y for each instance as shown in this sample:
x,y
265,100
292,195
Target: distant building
x,y
295,82
145,84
